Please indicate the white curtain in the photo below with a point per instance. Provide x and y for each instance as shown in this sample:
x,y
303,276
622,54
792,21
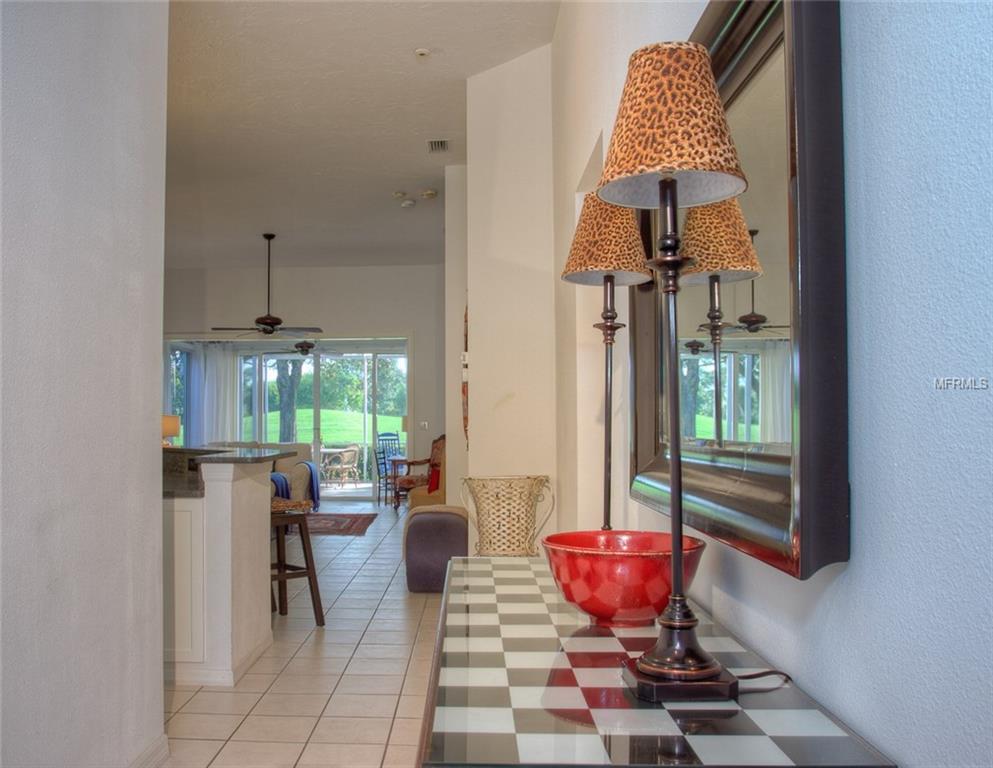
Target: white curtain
x,y
775,393
220,392
194,436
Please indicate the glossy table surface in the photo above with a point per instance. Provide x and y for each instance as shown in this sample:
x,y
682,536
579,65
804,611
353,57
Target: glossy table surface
x,y
524,679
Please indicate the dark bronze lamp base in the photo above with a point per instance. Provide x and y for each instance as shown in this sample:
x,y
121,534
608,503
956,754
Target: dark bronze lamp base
x,y
658,689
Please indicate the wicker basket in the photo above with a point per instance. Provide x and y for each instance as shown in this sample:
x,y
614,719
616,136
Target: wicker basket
x,y
505,513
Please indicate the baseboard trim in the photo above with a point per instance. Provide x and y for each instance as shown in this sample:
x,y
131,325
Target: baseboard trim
x,y
154,755
255,655
190,673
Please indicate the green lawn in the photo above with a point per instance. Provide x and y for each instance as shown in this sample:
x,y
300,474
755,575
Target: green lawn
x,y
705,428
337,427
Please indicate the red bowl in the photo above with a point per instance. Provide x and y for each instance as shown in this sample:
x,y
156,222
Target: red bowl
x,y
620,578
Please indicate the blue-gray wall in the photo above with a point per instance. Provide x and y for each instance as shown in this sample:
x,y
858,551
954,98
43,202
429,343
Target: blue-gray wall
x,y
897,642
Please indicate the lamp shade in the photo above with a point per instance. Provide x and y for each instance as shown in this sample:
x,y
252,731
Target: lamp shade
x,y
716,238
170,426
670,123
607,242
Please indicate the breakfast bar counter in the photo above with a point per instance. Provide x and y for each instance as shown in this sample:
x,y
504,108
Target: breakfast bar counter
x,y
524,679
216,524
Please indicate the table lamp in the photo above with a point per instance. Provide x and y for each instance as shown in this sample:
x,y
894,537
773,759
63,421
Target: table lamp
x,y
717,240
671,134
606,249
170,428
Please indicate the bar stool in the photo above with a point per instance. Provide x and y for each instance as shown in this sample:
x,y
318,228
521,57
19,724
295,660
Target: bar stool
x,y
287,512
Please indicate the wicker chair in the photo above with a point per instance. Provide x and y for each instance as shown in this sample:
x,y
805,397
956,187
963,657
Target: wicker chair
x,y
345,466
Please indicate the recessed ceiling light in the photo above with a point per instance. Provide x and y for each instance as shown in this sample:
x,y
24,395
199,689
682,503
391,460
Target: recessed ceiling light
x,y
429,194
422,53
408,203
399,194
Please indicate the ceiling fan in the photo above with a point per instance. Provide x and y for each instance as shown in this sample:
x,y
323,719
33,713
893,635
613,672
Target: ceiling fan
x,y
753,321
695,346
301,347
268,324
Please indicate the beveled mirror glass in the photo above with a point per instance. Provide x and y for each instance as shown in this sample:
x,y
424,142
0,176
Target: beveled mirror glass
x,y
770,476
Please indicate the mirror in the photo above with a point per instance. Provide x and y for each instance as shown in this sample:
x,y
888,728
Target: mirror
x,y
765,457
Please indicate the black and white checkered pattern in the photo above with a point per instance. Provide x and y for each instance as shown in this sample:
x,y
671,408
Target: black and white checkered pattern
x,y
525,679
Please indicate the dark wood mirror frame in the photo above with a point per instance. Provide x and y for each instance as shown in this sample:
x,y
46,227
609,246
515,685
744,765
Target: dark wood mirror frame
x,y
791,512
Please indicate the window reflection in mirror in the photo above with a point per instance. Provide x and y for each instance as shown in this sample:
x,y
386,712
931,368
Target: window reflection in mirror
x,y
755,357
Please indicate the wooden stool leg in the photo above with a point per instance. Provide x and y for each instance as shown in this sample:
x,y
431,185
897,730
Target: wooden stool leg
x,y
281,567
308,560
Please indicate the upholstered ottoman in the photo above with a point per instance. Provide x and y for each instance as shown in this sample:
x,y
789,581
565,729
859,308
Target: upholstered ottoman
x,y
433,535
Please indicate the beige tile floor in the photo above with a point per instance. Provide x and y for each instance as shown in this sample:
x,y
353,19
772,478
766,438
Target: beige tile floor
x,y
350,694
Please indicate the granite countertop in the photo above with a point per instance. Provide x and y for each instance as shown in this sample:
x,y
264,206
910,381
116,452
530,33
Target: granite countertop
x,y
231,455
185,486
181,472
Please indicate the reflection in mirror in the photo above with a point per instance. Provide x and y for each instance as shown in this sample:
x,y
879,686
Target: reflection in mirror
x,y
764,429
753,336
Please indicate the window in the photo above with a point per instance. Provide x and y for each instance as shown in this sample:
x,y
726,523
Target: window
x,y
177,390
739,396
247,407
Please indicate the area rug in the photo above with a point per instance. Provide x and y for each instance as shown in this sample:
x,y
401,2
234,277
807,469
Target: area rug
x,y
339,524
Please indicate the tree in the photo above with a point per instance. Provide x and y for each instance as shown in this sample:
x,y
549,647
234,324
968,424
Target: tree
x,y
287,383
688,392
391,384
178,360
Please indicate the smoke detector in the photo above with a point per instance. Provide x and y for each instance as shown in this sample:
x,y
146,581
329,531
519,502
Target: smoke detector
x,y
408,203
422,53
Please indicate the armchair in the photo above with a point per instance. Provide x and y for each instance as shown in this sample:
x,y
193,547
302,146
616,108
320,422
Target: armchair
x,y
296,473
423,496
405,483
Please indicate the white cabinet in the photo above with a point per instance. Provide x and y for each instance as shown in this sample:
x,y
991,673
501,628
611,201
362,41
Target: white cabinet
x,y
216,576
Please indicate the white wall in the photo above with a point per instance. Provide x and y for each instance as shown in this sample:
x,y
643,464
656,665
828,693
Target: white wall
x,y
347,302
456,296
867,638
511,270
590,52
83,155
864,637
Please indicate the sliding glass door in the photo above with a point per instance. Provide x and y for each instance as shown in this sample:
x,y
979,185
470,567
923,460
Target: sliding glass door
x,y
288,412
337,399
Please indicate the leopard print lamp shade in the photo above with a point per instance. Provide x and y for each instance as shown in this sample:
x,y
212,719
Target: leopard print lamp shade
x,y
607,242
671,122
716,238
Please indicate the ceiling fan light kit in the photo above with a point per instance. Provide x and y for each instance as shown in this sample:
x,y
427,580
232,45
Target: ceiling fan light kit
x,y
269,324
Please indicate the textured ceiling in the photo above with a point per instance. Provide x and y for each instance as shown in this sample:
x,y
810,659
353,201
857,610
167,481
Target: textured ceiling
x,y
303,118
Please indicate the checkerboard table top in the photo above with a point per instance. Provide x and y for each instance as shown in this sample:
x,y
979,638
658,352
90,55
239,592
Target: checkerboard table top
x,y
525,679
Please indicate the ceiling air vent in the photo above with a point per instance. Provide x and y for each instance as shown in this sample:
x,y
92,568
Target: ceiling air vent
x,y
438,145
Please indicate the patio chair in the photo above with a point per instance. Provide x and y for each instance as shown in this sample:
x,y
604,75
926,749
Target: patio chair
x,y
387,445
345,466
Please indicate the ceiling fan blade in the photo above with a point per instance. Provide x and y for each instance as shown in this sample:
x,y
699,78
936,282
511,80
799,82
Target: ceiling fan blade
x,y
225,328
300,329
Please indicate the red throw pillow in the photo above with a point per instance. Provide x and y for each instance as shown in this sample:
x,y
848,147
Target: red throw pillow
x,y
434,479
